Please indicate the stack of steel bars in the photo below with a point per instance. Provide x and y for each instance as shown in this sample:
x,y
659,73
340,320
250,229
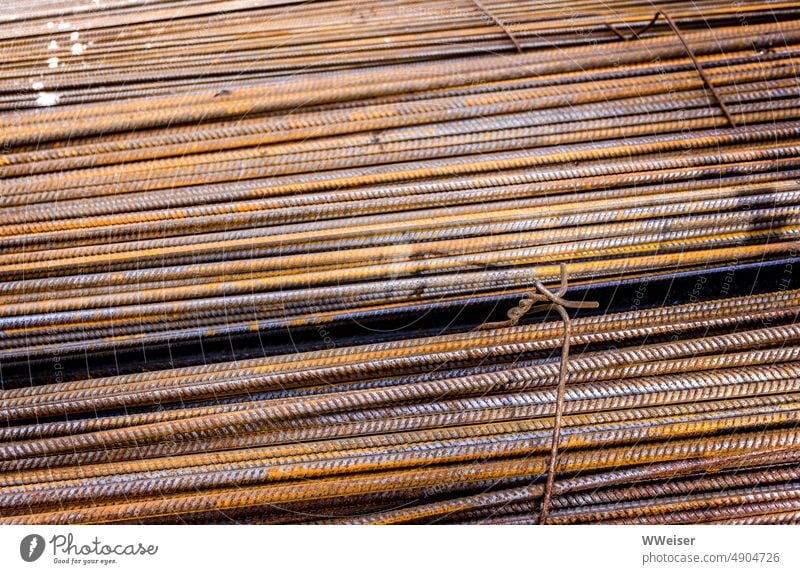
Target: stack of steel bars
x,y
178,174
700,426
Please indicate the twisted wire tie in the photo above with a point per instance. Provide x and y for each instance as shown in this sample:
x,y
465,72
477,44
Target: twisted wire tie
x,y
671,23
549,301
499,23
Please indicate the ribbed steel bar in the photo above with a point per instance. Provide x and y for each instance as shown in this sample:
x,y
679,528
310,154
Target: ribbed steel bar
x,y
179,179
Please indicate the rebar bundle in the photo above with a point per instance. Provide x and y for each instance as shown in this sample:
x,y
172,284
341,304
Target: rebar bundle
x,y
448,428
184,173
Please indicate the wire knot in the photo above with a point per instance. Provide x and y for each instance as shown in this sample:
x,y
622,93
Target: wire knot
x,y
541,300
544,299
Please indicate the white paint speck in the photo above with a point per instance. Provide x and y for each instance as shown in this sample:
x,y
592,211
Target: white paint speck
x,y
77,49
37,86
148,46
53,45
52,62
50,25
65,26
47,99
74,36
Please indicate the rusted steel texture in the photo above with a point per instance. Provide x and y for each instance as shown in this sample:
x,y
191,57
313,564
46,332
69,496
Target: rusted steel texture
x,y
230,171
